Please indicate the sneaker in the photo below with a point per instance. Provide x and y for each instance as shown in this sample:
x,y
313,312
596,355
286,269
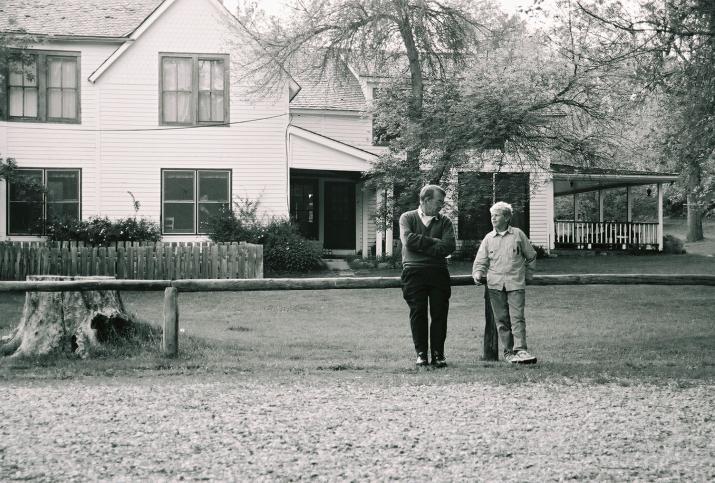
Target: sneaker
x,y
421,360
438,359
509,357
523,357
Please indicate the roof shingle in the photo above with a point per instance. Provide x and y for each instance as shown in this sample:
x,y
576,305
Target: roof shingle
x,y
81,18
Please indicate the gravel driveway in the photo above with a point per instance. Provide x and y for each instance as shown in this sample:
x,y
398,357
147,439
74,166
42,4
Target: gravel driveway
x,y
233,428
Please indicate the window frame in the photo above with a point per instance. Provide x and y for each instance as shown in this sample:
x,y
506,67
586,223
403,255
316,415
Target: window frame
x,y
42,73
194,107
44,198
196,202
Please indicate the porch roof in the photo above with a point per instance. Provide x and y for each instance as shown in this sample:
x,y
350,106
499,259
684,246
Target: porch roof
x,y
572,179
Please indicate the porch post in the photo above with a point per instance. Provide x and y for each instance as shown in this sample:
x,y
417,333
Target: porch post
x,y
365,214
629,203
575,207
660,216
600,206
388,230
378,228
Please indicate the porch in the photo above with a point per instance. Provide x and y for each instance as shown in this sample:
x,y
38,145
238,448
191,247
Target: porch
x,y
608,209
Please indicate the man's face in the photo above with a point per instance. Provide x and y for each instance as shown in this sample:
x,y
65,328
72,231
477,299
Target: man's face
x,y
432,206
499,221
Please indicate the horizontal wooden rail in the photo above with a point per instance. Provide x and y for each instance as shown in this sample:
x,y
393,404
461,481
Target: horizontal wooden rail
x,y
240,285
171,288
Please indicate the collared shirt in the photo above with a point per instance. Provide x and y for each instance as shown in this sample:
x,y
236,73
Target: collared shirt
x,y
426,220
504,258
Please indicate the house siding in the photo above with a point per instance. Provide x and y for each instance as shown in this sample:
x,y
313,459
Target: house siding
x,y
59,145
354,128
116,156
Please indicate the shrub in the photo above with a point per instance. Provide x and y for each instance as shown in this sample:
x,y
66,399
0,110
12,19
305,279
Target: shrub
x,y
102,231
673,245
541,251
284,248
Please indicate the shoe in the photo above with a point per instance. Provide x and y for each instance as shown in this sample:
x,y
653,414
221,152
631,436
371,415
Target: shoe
x,y
509,357
422,360
523,357
438,359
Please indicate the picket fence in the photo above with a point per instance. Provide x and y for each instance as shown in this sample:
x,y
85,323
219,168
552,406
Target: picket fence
x,y
132,260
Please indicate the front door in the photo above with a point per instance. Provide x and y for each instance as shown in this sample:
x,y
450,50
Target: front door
x,y
304,206
339,207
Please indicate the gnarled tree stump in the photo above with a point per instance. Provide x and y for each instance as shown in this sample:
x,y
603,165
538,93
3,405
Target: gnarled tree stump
x,y
70,322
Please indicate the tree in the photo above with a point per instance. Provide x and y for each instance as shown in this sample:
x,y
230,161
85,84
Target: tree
x,y
523,99
426,37
674,54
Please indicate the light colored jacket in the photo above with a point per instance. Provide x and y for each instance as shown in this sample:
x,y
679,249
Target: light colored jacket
x,y
505,259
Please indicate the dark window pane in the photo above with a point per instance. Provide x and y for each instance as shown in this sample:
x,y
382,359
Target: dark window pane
x,y
62,185
213,186
178,218
206,211
24,218
513,188
28,186
179,186
60,211
474,200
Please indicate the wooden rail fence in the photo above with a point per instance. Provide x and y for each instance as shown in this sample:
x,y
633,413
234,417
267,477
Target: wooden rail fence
x,y
173,287
137,261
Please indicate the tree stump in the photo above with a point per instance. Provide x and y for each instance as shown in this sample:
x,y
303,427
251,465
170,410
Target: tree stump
x,y
67,322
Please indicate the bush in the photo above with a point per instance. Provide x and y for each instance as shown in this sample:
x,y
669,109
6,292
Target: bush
x,y
673,245
284,248
102,231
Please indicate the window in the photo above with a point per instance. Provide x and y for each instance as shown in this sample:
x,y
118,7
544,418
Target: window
x,y
42,194
477,192
191,197
43,87
193,89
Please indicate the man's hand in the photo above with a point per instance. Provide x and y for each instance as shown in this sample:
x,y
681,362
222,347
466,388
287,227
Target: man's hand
x,y
480,279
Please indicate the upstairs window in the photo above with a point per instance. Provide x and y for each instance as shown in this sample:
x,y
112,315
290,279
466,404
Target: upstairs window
x,y
42,194
191,197
194,89
43,87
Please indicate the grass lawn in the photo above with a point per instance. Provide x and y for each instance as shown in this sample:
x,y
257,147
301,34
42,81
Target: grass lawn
x,y
603,333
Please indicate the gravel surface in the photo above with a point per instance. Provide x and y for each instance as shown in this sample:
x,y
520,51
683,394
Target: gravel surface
x,y
226,428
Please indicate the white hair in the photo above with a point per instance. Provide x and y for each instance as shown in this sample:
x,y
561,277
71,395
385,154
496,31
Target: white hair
x,y
503,208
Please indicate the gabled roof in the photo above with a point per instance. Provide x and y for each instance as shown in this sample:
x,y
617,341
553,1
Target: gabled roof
x,y
331,143
75,18
329,88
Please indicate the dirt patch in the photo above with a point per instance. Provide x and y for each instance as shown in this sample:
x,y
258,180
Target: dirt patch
x,y
182,428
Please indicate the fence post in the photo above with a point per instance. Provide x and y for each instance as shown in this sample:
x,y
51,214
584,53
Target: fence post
x,y
170,338
491,341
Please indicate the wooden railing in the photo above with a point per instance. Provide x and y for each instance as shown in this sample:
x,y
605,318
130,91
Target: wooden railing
x,y
132,260
584,235
170,343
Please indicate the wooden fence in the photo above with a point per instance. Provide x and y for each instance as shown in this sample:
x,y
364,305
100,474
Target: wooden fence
x,y
132,260
170,342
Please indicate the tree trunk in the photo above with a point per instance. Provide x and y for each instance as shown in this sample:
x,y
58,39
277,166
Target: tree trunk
x,y
69,322
695,220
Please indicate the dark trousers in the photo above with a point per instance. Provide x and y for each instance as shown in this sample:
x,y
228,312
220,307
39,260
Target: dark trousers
x,y
425,287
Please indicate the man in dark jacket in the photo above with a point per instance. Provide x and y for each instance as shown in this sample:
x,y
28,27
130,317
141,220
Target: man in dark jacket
x,y
427,239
